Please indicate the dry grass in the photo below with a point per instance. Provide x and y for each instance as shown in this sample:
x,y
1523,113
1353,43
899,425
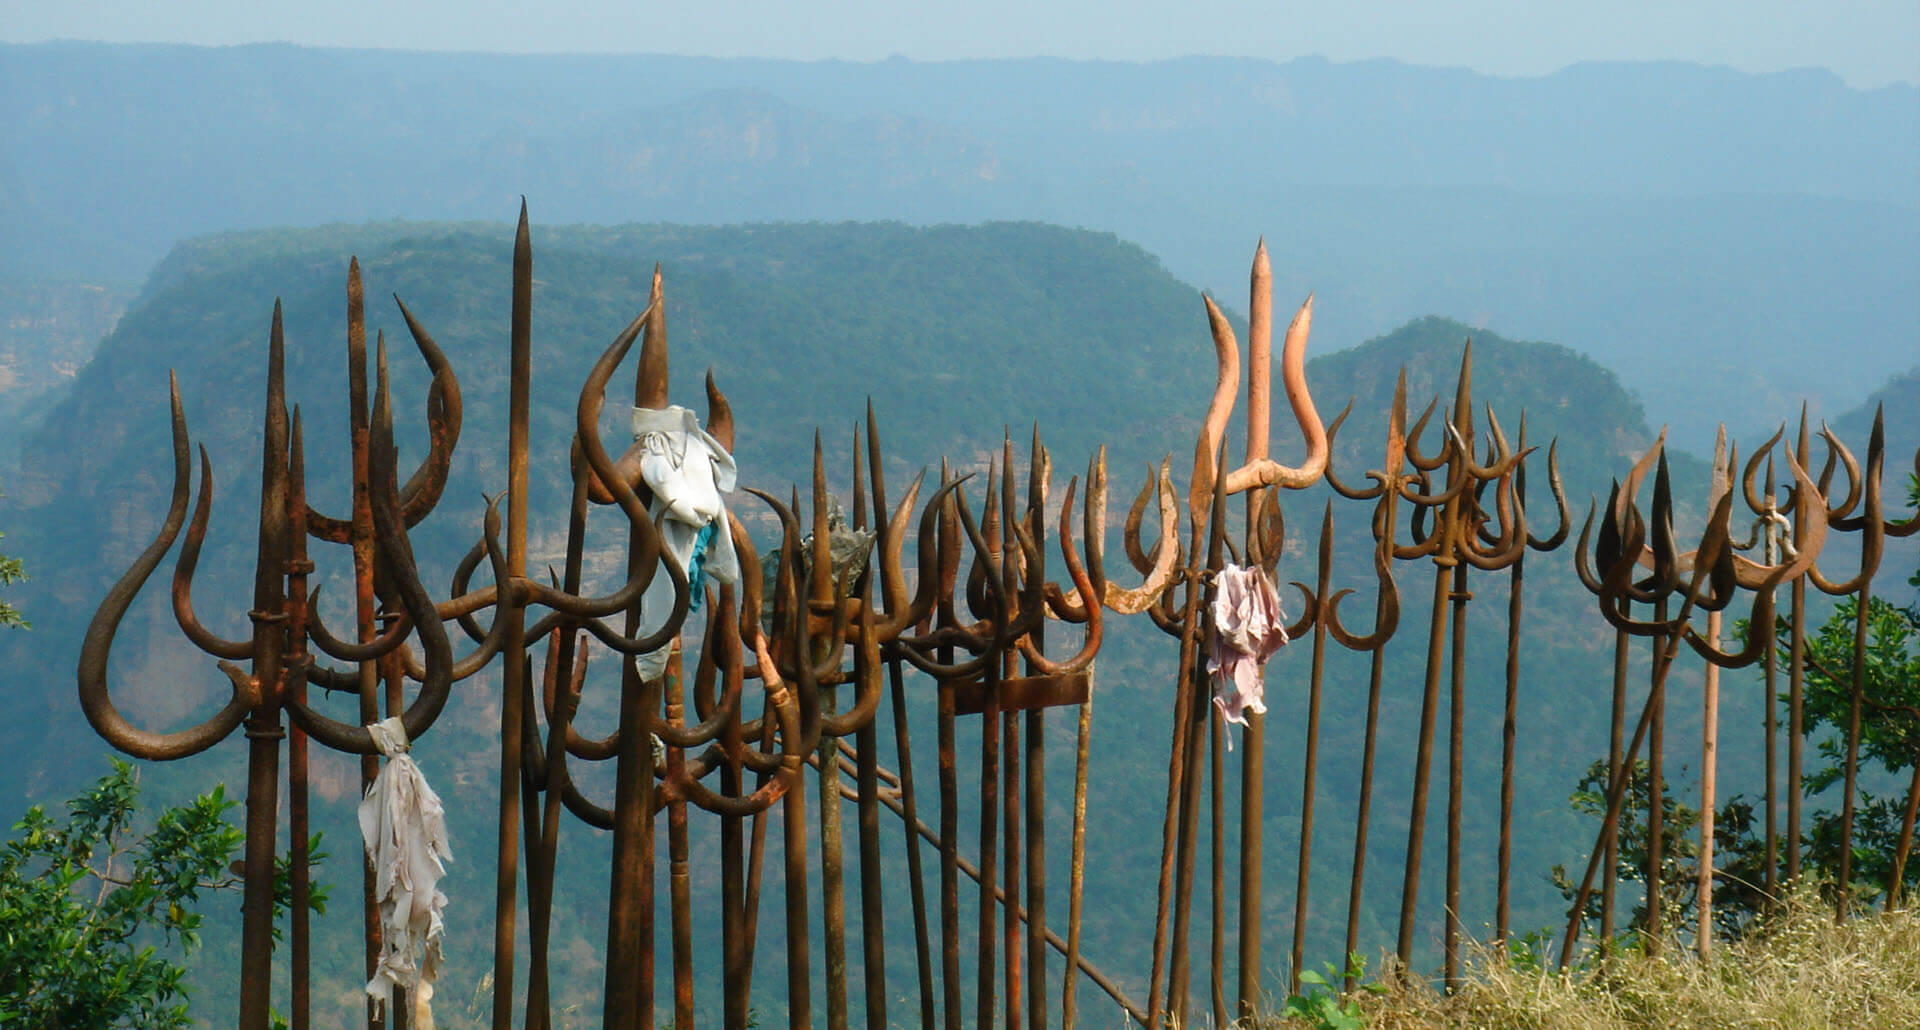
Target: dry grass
x,y
1799,971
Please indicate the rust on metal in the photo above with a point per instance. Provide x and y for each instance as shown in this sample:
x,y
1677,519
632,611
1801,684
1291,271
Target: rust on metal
x,y
947,609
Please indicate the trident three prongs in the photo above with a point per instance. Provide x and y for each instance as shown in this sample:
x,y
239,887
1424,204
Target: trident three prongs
x,y
1627,544
1450,526
1509,729
1210,476
1388,483
1874,529
444,414
261,696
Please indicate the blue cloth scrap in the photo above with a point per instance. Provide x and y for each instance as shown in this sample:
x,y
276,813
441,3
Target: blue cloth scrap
x,y
696,571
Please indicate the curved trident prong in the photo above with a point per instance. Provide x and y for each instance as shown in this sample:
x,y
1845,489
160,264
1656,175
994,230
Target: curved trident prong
x,y
1260,471
1633,551
1157,566
1554,486
1622,511
1750,477
1389,481
95,700
444,409
1519,496
1838,452
650,555
1387,610
417,498
1505,548
1871,523
1333,432
1441,457
1039,596
1084,585
391,537
185,566
1808,499
1160,564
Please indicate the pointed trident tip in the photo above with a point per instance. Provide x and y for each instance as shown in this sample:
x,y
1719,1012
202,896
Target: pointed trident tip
x,y
276,348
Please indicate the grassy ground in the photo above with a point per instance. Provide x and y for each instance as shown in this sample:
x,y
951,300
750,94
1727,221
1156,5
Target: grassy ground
x,y
1797,971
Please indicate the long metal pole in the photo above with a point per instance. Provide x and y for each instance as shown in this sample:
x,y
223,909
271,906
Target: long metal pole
x,y
1077,868
1709,766
514,645
1216,840
986,974
1253,783
679,877
922,955
1456,771
1656,794
1770,678
1184,698
903,749
629,980
1509,731
833,898
1856,696
1616,739
1323,589
1423,761
1364,808
1035,772
1796,678
263,727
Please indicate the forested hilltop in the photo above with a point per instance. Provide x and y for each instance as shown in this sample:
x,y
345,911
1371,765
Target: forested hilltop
x,y
958,334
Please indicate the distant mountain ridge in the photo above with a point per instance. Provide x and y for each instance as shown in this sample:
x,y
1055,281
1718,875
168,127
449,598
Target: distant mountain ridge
x,y
1696,228
303,117
1899,401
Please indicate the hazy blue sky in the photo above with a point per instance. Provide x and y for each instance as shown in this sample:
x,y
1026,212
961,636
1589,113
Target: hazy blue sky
x,y
1868,42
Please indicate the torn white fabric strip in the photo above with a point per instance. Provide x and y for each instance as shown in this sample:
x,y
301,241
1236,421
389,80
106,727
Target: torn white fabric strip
x,y
688,472
404,828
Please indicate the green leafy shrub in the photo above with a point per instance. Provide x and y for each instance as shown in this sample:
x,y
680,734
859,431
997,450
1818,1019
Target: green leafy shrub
x,y
1320,1004
91,915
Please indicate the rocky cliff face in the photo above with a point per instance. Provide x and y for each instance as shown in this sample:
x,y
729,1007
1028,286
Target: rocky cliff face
x,y
47,331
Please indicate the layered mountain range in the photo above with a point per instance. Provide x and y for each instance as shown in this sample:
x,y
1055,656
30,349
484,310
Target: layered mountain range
x,y
1698,229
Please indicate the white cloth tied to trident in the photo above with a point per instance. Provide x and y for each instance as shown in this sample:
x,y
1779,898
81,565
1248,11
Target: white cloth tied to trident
x,y
1248,627
405,830
687,470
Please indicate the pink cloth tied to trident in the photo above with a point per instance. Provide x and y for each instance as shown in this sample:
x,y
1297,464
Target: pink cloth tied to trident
x,y
1248,627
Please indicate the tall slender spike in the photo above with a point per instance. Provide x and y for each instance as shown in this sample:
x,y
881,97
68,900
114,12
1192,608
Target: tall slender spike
x,y
1397,426
365,604
1323,589
1253,754
299,869
859,512
264,724
1463,394
820,586
1796,667
520,376
719,414
650,379
1259,353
